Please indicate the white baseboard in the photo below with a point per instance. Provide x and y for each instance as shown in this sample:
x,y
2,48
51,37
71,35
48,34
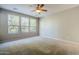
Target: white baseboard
x,y
60,39
68,41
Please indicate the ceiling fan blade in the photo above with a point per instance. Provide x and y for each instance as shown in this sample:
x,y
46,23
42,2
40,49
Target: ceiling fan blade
x,y
41,5
44,10
38,5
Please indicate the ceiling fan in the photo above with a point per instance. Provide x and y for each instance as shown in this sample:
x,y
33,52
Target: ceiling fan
x,y
40,8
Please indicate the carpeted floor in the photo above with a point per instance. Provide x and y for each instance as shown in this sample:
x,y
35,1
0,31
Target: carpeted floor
x,y
38,46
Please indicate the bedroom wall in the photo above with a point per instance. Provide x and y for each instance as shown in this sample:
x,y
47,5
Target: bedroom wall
x,y
0,21
49,27
4,28
63,25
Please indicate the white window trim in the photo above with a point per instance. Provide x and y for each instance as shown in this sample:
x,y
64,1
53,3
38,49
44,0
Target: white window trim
x,y
20,31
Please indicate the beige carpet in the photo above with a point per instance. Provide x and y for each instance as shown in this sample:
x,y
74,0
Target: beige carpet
x,y
38,46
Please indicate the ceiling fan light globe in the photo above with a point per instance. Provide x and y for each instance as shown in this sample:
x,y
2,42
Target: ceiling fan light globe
x,y
38,11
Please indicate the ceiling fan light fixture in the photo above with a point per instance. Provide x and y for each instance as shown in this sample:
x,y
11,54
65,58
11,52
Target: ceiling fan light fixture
x,y
40,8
38,11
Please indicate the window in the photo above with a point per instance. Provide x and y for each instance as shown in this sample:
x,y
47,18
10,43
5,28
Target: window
x,y
32,25
13,24
23,24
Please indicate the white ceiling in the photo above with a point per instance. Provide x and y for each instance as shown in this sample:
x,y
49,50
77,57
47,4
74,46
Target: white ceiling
x,y
28,8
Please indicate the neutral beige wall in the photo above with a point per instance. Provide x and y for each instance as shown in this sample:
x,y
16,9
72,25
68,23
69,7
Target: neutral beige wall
x,y
63,25
0,20
4,28
49,27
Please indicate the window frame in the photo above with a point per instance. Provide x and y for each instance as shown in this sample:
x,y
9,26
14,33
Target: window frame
x,y
20,27
33,26
13,25
24,26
